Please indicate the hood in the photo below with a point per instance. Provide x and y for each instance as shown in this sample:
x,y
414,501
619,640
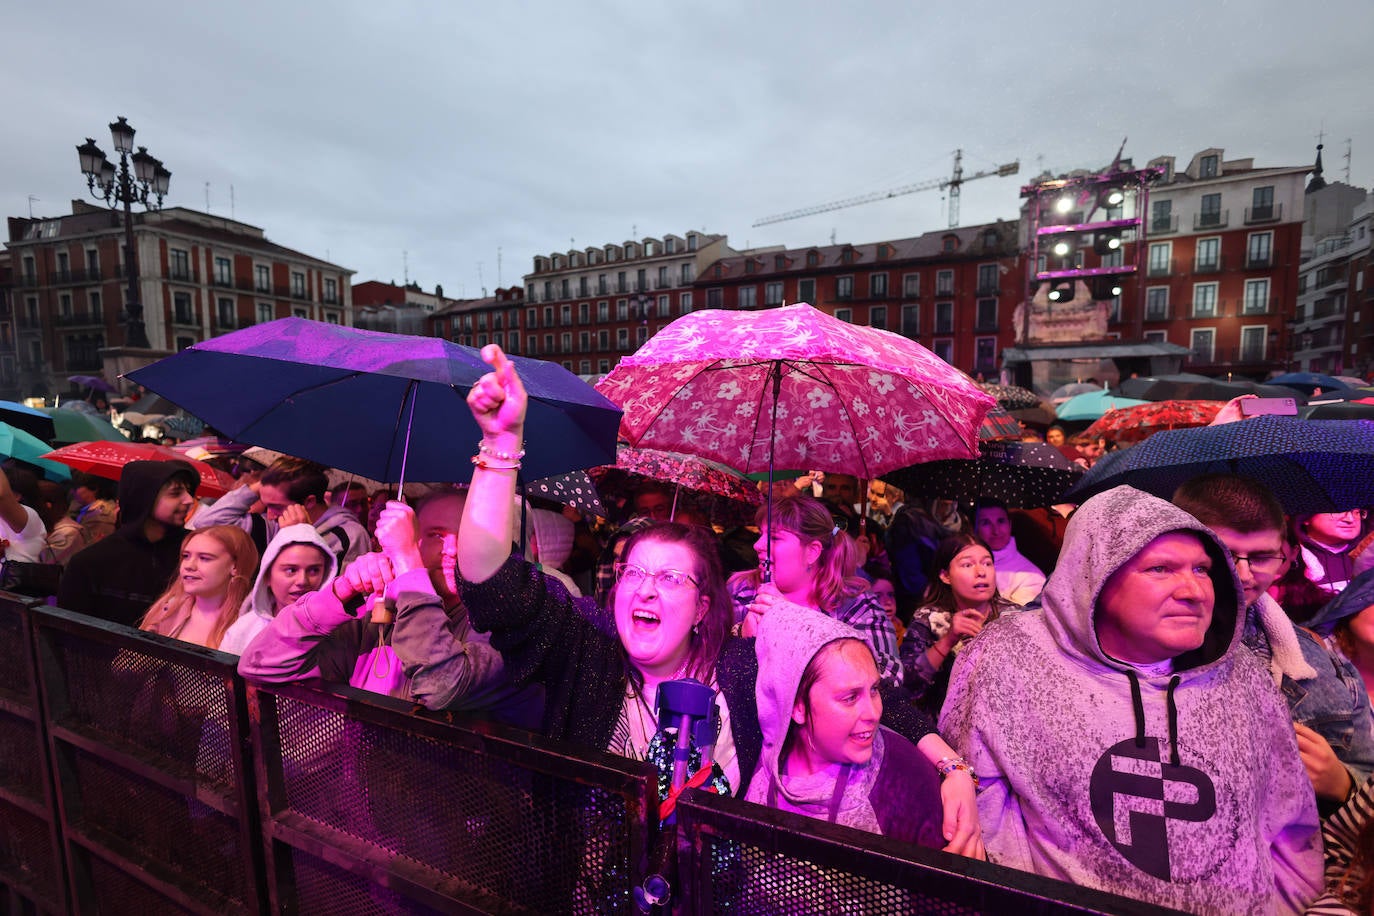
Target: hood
x,y
139,482
1106,532
1357,596
788,637
553,536
259,600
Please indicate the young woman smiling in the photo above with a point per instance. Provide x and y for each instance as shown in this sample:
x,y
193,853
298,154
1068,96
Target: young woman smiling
x,y
217,565
669,617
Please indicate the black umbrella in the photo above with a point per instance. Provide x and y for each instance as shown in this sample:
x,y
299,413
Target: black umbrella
x,y
1188,387
1310,465
1011,397
1024,474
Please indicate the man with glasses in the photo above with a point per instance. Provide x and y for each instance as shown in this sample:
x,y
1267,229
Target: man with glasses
x,y
1326,697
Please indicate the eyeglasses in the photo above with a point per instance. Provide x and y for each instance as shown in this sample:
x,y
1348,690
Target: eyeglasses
x,y
1262,563
1361,514
667,579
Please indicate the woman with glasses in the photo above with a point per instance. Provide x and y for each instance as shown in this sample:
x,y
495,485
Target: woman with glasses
x,y
669,618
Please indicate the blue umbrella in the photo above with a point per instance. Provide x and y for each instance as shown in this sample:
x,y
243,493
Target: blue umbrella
x,y
1093,405
1311,465
1308,382
1186,386
21,446
31,420
387,406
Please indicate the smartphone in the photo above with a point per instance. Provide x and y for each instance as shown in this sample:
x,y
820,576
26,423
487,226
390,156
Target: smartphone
x,y
1279,407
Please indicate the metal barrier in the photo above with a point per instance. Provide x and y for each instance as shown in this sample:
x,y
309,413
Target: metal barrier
x,y
370,808
744,859
139,774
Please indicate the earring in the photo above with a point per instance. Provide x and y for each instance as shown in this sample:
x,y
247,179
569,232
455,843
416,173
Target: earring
x,y
696,628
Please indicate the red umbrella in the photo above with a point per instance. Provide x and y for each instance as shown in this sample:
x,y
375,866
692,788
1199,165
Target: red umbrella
x,y
1132,424
999,424
107,459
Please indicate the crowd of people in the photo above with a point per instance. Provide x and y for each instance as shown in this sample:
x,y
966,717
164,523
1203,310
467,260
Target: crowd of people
x,y
1167,700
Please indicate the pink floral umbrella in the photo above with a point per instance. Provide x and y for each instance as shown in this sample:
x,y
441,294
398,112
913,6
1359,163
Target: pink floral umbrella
x,y
722,493
794,388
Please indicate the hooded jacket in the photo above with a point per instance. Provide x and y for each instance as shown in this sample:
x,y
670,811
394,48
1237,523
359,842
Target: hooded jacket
x,y
896,794
1183,789
118,577
260,607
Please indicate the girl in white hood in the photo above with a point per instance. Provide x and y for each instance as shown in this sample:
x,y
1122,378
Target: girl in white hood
x,y
297,561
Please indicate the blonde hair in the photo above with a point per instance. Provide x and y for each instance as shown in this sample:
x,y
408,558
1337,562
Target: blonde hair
x,y
164,617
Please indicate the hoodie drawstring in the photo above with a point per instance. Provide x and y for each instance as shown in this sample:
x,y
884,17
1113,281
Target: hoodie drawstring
x,y
1138,706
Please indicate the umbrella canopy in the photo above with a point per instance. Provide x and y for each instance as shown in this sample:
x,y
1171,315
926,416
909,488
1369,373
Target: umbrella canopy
x,y
22,446
107,459
92,381
1308,382
1011,397
1338,410
1351,381
1034,416
1092,404
1189,387
1024,474
69,426
31,420
574,489
1064,392
722,493
999,424
1311,465
1132,424
794,388
387,406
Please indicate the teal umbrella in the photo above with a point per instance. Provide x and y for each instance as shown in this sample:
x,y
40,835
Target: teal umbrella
x,y
72,426
1092,405
19,445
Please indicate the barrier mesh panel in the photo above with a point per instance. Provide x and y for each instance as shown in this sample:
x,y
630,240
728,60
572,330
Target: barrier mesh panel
x,y
14,655
185,837
116,893
322,887
27,858
542,842
21,757
175,712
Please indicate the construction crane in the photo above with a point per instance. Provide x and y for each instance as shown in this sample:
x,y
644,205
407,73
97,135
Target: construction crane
x,y
954,182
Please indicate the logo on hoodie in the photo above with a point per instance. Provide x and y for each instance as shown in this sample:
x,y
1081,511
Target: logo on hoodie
x,y
1134,793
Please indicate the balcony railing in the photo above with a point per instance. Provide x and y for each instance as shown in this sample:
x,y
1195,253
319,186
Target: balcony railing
x,y
1164,225
181,275
944,289
76,319
1209,266
1212,219
1266,214
990,289
944,327
909,293
26,281
1157,314
1161,270
88,275
186,319
1259,262
984,325
223,282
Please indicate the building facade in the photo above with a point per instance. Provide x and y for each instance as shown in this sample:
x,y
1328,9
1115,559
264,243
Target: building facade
x,y
199,276
1334,322
405,309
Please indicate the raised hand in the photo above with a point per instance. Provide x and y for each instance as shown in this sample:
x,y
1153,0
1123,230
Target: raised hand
x,y
396,536
498,401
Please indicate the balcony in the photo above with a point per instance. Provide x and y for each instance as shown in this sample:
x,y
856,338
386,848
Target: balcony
x,y
664,284
1258,308
1157,314
944,327
76,319
300,294
985,326
1265,214
226,323
1164,225
26,281
1209,266
988,290
1215,219
184,318
181,275
1163,269
1259,262
66,277
621,287
944,289
911,293
1236,359
223,281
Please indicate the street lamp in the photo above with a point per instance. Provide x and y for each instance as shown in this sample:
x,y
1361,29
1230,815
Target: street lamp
x,y
144,184
642,309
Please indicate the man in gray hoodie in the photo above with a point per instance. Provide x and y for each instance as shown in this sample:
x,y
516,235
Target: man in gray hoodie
x,y
1124,739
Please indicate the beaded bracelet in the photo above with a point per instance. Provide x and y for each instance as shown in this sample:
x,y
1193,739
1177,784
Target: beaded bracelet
x,y
486,464
947,765
490,452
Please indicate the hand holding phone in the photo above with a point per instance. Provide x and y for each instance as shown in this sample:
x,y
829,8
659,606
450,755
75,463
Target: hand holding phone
x,y
1279,407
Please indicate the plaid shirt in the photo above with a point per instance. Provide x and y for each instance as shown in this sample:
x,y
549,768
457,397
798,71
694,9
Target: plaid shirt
x,y
862,612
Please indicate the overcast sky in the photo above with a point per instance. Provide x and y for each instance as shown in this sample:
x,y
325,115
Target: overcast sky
x,y
453,130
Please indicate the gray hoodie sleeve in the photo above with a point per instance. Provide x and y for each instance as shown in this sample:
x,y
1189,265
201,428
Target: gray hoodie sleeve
x,y
230,509
315,637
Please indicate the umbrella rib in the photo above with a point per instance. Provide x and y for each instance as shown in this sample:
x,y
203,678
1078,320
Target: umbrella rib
x,y
849,419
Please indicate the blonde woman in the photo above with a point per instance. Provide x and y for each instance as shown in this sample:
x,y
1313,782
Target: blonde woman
x,y
216,570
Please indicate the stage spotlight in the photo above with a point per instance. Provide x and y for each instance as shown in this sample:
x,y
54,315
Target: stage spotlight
x,y
1061,292
1062,248
1107,242
1106,287
1112,198
1063,204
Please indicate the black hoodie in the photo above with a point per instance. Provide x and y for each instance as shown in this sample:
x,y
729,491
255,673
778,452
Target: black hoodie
x,y
118,578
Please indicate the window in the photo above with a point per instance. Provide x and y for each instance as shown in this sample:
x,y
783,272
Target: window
x,y
911,286
1256,297
1204,300
224,313
565,341
181,309
622,309
224,272
96,306
564,288
584,341
772,293
1156,336
641,281
684,303
844,288
1162,216
179,264
1208,255
31,272
565,314
987,279
603,311
877,286
184,342
603,366
548,343
262,278
601,288
641,335
297,285
1202,342
844,315
1252,343
603,340
911,320
331,291
877,317
985,355
1157,303
944,317
64,305
987,315
663,282
669,246
944,283
300,313
715,298
1210,214
584,313
264,312
813,259
806,291
583,288
748,297
513,343
622,338
92,264
1161,256
548,316
584,367
944,349
1259,249
1262,203
689,273
1208,167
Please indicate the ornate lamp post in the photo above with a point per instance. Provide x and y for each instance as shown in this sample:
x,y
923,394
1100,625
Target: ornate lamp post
x,y
145,183
642,309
